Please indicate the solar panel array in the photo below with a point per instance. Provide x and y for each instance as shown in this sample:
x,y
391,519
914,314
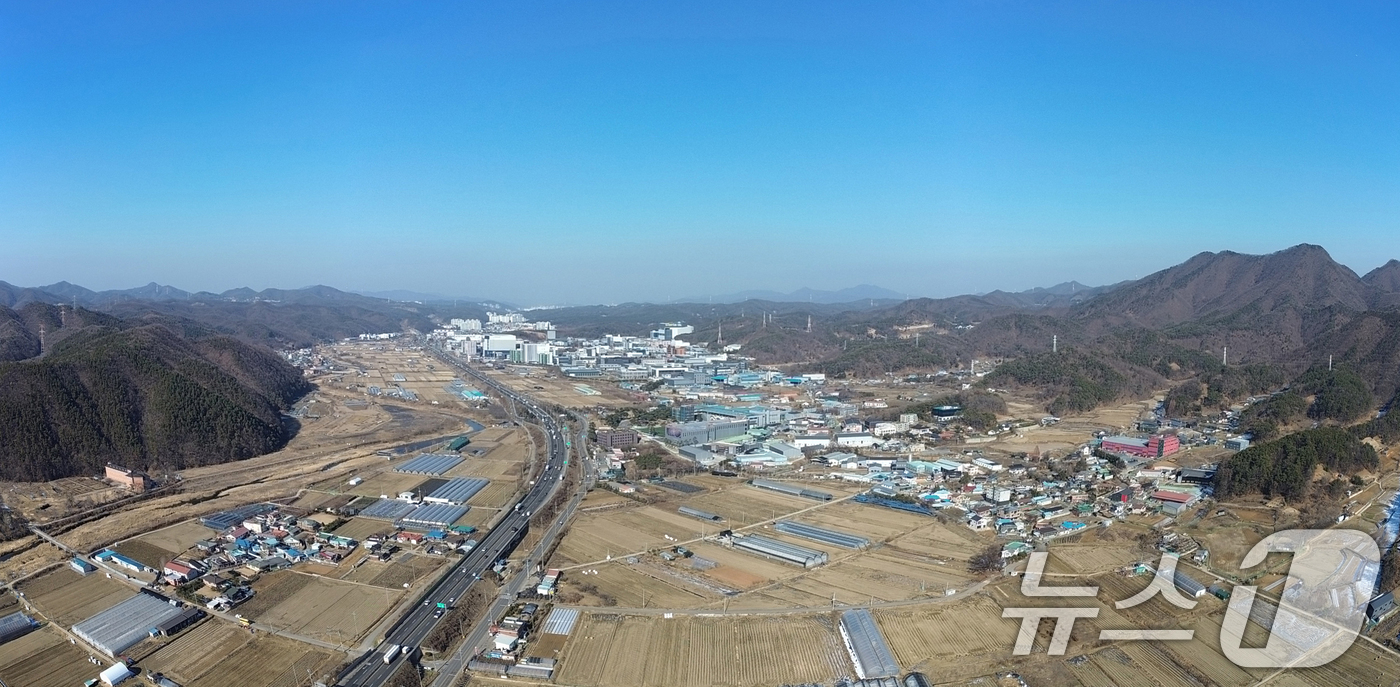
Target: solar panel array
x,y
430,464
388,509
458,489
434,515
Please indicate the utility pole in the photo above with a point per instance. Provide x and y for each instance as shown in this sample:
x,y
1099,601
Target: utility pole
x,y
1225,356
1055,343
1329,363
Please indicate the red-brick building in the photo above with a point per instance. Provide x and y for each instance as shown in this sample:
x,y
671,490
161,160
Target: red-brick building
x,y
1157,446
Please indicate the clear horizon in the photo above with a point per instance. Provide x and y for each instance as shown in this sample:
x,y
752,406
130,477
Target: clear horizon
x,y
611,152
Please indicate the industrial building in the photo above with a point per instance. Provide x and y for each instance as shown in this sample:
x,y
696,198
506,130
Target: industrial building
x,y
433,515
131,479
692,433
618,438
780,550
1157,446
14,625
388,509
697,513
793,489
81,566
821,534
457,490
869,653
432,464
124,625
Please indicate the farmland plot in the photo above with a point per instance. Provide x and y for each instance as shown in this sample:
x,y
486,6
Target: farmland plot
x,y
196,650
969,629
618,584
330,610
67,597
43,658
648,651
267,662
178,538
495,495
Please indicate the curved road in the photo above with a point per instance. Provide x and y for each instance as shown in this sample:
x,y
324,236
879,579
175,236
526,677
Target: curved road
x,y
409,631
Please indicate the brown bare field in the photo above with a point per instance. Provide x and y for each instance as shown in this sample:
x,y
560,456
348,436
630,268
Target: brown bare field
x,y
495,495
562,391
359,528
650,585
272,589
649,651
740,570
66,597
178,538
268,661
1094,558
44,658
407,569
388,483
197,650
149,554
330,610
922,637
594,536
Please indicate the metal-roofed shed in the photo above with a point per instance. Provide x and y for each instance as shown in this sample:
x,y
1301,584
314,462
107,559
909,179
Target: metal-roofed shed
x,y
122,626
388,509
457,490
561,621
433,515
872,657
821,534
697,513
430,464
14,625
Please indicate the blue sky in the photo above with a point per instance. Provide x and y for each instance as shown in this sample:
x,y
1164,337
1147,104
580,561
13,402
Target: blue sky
x,y
600,152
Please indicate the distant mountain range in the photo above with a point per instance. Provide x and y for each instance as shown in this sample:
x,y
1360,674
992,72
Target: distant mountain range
x,y
864,292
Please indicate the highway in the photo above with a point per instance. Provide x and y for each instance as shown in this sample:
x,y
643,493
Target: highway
x,y
409,631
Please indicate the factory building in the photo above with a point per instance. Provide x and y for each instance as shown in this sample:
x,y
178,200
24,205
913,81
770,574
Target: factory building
x,y
1158,446
618,438
780,550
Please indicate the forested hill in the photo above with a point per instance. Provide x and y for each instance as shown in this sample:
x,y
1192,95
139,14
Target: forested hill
x,y
149,395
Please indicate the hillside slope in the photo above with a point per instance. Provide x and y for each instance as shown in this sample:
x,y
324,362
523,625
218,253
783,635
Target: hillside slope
x,y
146,395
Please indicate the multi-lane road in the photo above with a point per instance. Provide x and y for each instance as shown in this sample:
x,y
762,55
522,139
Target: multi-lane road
x,y
417,623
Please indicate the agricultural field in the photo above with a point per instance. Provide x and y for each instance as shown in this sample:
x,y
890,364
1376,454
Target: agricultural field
x,y
647,584
359,528
562,391
66,597
650,651
197,650
407,568
44,658
269,661
178,539
330,610
388,483
925,637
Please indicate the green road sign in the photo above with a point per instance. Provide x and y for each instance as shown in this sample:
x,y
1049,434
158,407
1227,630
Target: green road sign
x,y
442,605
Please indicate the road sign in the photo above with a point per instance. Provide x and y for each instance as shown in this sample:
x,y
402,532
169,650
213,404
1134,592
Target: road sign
x,y
442,605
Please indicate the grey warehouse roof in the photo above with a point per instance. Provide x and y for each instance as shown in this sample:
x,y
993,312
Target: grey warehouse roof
x,y
430,464
120,627
821,534
434,515
459,489
388,509
873,657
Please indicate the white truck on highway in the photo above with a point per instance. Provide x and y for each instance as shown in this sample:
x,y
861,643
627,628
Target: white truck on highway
x,y
391,653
